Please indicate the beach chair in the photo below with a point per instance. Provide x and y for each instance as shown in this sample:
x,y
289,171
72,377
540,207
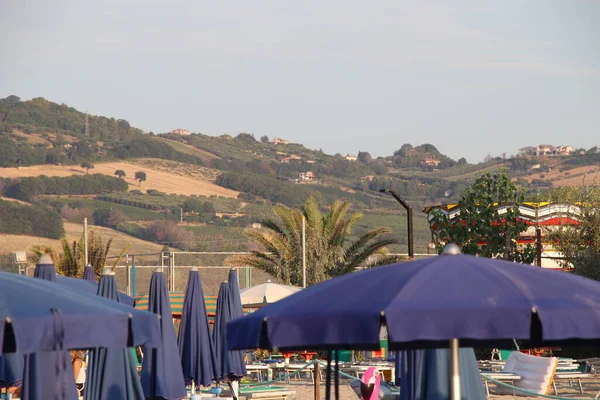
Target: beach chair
x,y
536,374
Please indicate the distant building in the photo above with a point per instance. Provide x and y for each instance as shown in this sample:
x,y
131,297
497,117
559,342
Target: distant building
x,y
544,149
431,162
307,176
535,166
528,151
280,141
180,131
563,150
351,158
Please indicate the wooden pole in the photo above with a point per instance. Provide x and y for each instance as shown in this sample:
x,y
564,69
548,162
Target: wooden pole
x,y
317,380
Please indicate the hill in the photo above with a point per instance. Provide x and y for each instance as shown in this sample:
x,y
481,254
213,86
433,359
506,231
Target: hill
x,y
202,191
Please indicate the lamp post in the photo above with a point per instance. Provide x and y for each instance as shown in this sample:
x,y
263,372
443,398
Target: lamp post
x,y
408,208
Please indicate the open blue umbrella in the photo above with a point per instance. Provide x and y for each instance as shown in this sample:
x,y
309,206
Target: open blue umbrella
x,y
198,358
88,274
431,303
161,368
90,288
112,373
231,366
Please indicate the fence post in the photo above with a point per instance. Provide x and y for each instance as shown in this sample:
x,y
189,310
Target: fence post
x,y
247,276
133,288
172,270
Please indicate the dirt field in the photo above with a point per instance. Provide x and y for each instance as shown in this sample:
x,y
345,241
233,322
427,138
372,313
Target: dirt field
x,y
10,243
171,182
572,177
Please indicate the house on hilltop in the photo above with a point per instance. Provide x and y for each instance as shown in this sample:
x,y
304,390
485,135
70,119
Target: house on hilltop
x,y
280,141
351,158
563,150
180,131
307,176
430,162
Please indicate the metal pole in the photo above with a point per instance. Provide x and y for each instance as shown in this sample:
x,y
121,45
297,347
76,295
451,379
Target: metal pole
x,y
539,247
85,242
303,251
409,218
455,370
172,271
247,276
133,289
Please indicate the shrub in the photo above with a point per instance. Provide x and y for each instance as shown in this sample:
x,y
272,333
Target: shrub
x,y
34,220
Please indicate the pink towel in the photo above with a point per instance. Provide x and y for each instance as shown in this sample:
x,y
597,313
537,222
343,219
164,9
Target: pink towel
x,y
369,387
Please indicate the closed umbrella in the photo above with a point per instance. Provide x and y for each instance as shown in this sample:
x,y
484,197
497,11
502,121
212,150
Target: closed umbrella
x,y
161,368
198,358
44,269
11,369
112,373
432,303
424,374
237,357
88,274
231,367
265,293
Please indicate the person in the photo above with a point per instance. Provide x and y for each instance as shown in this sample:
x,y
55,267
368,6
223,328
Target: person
x,y
78,369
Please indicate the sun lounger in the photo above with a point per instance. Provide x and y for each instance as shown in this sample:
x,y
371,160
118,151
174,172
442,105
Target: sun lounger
x,y
536,373
570,377
266,392
505,377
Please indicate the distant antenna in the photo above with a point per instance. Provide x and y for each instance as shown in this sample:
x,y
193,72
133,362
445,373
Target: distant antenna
x,y
87,124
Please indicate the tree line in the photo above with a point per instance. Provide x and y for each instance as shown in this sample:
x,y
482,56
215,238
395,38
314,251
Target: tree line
x,y
33,220
27,189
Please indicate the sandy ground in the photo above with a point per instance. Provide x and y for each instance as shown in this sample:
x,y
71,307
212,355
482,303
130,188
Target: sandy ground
x,y
165,181
305,391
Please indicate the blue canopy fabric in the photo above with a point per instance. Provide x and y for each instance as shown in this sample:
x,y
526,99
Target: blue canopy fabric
x,y
48,375
112,373
425,375
88,274
45,269
34,316
480,301
198,357
11,369
90,288
161,367
230,366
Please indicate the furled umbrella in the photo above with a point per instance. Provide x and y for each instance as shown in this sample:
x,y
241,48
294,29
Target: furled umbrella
x,y
198,358
237,357
230,367
112,373
425,374
44,269
88,274
161,368
431,303
11,370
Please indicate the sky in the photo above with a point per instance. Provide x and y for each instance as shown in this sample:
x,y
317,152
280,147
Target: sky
x,y
473,78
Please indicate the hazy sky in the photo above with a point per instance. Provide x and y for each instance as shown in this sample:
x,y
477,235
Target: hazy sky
x,y
471,77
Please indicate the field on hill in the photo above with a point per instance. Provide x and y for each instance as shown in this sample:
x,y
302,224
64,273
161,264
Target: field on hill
x,y
571,177
10,243
158,178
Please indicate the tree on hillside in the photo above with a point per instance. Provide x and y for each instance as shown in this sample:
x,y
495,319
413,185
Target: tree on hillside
x,y
264,139
480,222
140,176
580,244
87,166
329,251
120,173
364,157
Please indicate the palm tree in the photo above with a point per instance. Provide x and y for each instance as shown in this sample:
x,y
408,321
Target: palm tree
x,y
329,251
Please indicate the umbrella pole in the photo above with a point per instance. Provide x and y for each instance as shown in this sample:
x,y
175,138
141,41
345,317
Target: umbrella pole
x,y
454,370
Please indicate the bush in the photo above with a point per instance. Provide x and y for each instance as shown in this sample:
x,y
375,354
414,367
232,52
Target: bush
x,y
34,220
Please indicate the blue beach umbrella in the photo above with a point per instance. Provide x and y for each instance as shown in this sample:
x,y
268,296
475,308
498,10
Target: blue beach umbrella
x,y
11,369
198,358
161,368
443,301
90,288
44,269
111,373
425,374
230,365
238,357
88,274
